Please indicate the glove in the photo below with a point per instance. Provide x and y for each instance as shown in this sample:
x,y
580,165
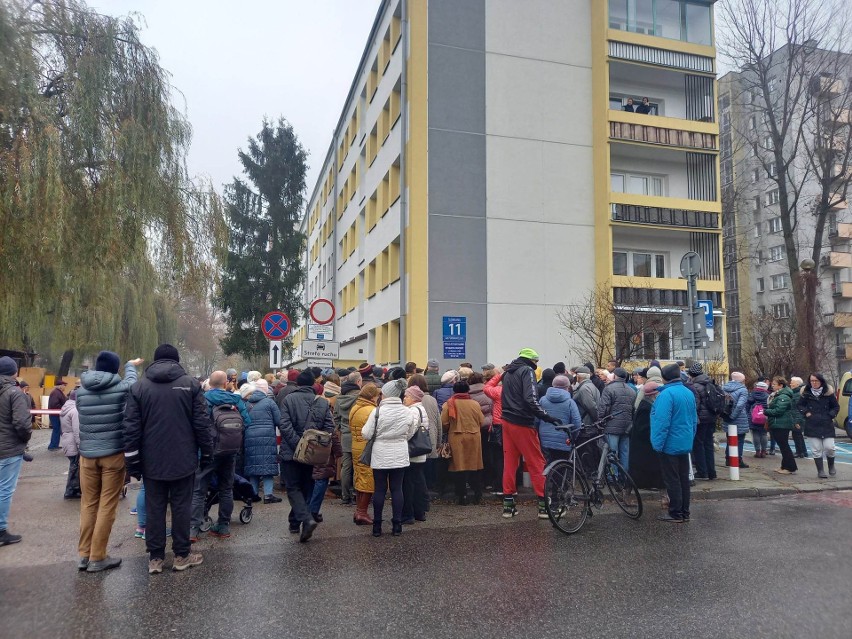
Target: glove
x,y
205,462
133,463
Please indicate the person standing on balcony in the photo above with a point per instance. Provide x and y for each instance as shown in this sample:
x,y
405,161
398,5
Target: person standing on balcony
x,y
629,106
645,107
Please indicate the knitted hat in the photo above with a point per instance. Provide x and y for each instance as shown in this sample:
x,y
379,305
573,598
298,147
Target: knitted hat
x,y
246,390
393,389
414,393
695,370
108,362
166,351
8,366
260,384
528,353
292,374
330,388
559,368
397,373
378,371
654,363
432,364
650,389
305,378
365,369
671,373
449,376
561,381
762,385
620,373
253,376
738,377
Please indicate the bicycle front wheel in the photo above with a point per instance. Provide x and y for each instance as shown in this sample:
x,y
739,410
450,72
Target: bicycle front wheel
x,y
623,489
566,496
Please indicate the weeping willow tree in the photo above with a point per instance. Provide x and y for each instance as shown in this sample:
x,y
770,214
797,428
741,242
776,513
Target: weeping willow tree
x,y
102,225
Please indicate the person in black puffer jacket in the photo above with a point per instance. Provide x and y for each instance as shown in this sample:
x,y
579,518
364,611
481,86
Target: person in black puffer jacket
x,y
617,399
702,449
819,407
15,431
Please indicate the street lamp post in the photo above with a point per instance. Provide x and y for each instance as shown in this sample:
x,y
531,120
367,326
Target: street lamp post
x,y
807,328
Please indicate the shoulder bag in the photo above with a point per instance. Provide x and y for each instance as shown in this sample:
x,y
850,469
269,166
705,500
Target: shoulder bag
x,y
367,456
420,442
314,447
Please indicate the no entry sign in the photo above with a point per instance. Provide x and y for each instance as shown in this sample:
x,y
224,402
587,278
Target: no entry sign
x,y
275,325
322,311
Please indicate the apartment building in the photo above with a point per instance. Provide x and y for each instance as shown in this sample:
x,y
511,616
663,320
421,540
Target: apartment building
x,y
484,174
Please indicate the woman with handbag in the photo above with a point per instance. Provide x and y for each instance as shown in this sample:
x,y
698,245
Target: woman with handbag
x,y
364,406
390,427
462,419
415,496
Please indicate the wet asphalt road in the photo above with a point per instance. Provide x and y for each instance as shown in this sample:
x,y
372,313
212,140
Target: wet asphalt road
x,y
757,568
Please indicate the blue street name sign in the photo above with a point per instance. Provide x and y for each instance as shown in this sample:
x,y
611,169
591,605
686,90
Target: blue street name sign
x,y
454,333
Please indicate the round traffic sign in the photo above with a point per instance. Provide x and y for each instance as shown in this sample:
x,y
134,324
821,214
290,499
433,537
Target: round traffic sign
x,y
275,325
690,264
322,311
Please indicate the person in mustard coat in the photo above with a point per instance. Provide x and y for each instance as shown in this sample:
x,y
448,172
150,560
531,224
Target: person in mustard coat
x,y
462,419
364,486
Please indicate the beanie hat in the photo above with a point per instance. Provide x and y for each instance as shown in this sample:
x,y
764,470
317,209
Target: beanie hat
x,y
650,389
108,362
8,366
620,373
378,371
559,368
393,389
737,376
433,364
292,374
73,395
166,351
449,376
695,370
305,378
262,385
414,392
247,390
253,376
762,385
528,353
331,388
397,373
654,363
561,381
465,372
654,372
671,373
365,369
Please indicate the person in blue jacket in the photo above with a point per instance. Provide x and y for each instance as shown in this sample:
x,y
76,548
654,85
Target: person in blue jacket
x,y
557,402
674,420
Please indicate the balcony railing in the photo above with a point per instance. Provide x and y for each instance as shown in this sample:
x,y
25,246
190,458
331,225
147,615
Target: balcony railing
x,y
844,352
839,320
657,216
663,136
657,297
836,259
826,87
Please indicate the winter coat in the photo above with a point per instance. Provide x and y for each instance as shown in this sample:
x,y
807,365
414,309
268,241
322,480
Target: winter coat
x,y
16,427
56,400
442,394
822,409
221,397
396,426
779,410
494,390
617,399
757,396
698,385
798,418
289,387
739,414
644,462
358,416
558,403
486,404
520,402
434,415
433,381
674,419
165,421
101,400
69,441
464,438
587,397
260,447
329,470
342,407
303,410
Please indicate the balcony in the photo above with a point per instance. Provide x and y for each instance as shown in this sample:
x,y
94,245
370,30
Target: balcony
x,y
659,216
826,86
676,178
840,233
654,298
842,289
672,19
672,94
838,206
635,127
844,352
836,259
839,320
840,118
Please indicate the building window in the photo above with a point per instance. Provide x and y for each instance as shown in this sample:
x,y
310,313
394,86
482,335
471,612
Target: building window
x,y
755,176
776,253
760,257
619,263
637,184
638,264
752,123
774,225
780,281
781,311
761,286
756,204
772,197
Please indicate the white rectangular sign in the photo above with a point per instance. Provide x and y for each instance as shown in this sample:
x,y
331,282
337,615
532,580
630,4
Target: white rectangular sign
x,y
322,363
322,332
276,354
320,349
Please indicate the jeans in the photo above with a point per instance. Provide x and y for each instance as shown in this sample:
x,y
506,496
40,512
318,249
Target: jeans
x,y
141,513
10,468
254,480
56,428
72,486
782,437
101,481
740,443
223,468
320,486
381,476
415,497
346,492
759,437
676,478
702,450
176,494
620,444
299,483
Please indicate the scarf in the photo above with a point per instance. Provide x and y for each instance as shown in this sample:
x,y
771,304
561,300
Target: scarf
x,y
452,403
817,391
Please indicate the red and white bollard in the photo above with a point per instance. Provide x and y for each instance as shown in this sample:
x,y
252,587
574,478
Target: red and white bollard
x,y
733,452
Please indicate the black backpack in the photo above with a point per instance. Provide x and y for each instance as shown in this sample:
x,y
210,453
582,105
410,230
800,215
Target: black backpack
x,y
715,400
228,430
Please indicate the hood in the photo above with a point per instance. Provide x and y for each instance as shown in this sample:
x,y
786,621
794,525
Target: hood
x,y
6,380
164,371
701,379
732,386
348,387
220,397
98,380
256,396
68,406
786,391
520,362
361,402
759,393
477,388
557,395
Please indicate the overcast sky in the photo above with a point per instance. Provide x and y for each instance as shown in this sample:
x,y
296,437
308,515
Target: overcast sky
x,y
237,61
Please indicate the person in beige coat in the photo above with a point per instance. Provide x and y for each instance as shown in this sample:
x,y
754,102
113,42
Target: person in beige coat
x,y
462,419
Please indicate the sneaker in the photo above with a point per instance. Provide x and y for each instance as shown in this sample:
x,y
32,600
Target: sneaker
x,y
221,530
140,533
155,566
783,471
7,538
192,559
133,511
668,518
272,499
104,564
82,563
294,530
509,509
542,509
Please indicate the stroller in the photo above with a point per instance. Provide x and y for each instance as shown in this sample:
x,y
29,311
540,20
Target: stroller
x,y
243,492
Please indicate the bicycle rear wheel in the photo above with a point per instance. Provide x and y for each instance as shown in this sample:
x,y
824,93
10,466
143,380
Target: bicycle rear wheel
x,y
623,489
566,495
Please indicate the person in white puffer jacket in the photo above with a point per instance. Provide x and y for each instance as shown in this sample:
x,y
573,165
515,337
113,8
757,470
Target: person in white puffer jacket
x,y
389,458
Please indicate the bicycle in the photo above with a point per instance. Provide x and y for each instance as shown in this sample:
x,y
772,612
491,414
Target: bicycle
x,y
570,492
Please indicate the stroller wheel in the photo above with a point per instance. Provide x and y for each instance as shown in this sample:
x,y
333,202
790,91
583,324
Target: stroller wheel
x,y
245,515
206,524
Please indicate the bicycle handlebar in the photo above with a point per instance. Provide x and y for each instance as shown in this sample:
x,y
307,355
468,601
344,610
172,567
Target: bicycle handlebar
x,y
597,424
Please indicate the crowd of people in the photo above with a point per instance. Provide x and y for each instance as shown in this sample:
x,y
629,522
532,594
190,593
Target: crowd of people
x,y
408,431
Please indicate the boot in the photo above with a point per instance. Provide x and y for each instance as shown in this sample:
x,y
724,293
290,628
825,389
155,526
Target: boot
x,y
397,528
831,469
377,528
820,470
362,517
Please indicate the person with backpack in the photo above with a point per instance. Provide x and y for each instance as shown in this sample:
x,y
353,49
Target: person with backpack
x,y
756,406
736,412
229,416
710,401
779,413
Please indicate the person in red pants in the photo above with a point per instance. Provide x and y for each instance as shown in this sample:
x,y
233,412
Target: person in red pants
x,y
520,437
